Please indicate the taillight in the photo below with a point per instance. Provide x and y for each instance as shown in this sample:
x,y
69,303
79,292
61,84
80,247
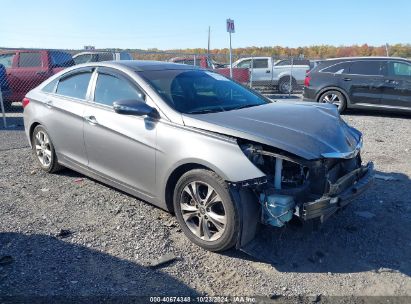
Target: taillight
x,y
25,102
307,80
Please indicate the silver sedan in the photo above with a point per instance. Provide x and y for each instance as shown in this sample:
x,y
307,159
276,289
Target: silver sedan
x,y
222,157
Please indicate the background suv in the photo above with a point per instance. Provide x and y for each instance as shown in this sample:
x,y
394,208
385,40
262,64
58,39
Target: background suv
x,y
361,82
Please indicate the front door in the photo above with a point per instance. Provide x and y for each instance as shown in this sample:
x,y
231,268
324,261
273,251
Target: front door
x,y
397,85
262,72
119,147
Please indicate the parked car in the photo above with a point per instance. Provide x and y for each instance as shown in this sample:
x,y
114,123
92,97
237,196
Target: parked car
x,y
266,72
188,140
362,82
97,56
241,75
26,69
4,84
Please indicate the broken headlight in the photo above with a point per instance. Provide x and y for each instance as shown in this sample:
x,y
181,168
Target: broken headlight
x,y
281,169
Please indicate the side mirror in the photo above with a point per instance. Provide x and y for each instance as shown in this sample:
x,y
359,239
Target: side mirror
x,y
135,107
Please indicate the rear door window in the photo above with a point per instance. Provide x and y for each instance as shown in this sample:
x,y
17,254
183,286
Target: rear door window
x,y
260,63
7,60
74,85
370,68
30,59
110,88
283,62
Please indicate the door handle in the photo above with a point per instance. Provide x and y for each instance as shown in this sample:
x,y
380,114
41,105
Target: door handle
x,y
268,71
346,79
391,81
42,73
91,120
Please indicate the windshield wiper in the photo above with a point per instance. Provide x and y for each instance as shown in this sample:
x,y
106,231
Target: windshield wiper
x,y
204,111
243,107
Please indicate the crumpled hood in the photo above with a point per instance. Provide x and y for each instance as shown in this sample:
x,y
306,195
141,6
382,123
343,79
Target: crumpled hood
x,y
308,130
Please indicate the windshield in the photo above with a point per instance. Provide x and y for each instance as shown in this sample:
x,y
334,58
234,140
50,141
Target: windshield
x,y
198,91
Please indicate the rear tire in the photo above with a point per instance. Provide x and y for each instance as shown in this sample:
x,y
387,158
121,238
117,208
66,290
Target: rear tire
x,y
43,150
284,85
205,211
334,97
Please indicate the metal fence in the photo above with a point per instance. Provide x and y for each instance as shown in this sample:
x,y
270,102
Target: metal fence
x,y
23,69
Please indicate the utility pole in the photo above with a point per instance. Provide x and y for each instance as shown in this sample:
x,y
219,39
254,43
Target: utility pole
x,y
208,46
386,50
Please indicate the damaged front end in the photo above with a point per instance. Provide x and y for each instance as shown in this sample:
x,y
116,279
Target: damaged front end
x,y
307,189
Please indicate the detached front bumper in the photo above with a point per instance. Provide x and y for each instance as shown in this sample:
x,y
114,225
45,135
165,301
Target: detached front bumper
x,y
341,193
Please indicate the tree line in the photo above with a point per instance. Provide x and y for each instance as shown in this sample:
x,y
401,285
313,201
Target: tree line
x,y
312,52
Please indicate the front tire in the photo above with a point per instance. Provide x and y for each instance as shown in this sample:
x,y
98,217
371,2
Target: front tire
x,y
336,98
205,211
44,150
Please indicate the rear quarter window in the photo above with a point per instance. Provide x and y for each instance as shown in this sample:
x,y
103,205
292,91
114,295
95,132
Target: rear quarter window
x,y
50,87
338,68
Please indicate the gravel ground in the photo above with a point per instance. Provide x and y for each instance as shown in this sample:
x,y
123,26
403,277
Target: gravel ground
x,y
70,235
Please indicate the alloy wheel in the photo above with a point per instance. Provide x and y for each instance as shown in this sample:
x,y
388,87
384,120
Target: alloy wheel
x,y
332,99
43,149
203,211
285,87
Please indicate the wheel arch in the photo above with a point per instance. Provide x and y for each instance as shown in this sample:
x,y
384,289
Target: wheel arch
x,y
31,130
179,171
286,77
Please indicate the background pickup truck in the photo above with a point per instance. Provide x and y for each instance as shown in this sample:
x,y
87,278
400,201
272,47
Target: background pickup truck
x,y
269,73
26,69
241,75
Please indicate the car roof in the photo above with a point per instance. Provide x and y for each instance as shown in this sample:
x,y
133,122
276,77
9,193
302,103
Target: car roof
x,y
188,57
365,58
142,65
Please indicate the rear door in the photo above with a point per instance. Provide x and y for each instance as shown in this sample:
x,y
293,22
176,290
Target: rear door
x,y
30,70
397,85
261,71
65,101
364,81
119,147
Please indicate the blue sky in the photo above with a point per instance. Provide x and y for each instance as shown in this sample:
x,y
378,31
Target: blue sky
x,y
184,24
